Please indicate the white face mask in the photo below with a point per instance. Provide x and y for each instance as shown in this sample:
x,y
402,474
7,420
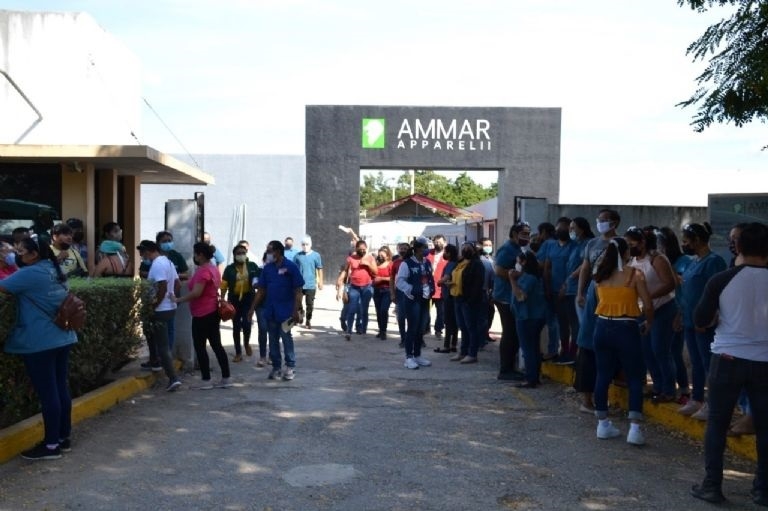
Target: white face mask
x,y
241,258
603,227
518,267
270,258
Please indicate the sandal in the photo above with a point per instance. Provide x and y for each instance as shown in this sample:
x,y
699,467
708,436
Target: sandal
x,y
442,350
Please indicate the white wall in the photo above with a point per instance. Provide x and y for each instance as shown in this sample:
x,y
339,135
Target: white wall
x,y
85,82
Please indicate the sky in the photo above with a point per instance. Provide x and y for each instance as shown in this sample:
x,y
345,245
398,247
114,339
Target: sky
x,y
234,76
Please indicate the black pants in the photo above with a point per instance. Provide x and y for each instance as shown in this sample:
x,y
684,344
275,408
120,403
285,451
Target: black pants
x,y
309,297
510,343
241,322
206,328
451,338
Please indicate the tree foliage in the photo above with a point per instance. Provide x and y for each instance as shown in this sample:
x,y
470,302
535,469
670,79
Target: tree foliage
x,y
462,191
733,86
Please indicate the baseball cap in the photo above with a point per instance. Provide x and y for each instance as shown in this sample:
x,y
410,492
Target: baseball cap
x,y
420,241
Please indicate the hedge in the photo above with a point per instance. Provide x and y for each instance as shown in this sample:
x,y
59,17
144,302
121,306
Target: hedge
x,y
110,339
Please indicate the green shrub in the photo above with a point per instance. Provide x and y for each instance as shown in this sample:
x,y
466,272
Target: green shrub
x,y
111,337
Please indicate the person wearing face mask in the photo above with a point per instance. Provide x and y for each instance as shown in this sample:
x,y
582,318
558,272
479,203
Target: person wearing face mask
x,y
415,279
290,251
203,298
435,258
470,303
39,288
451,338
164,240
111,242
78,237
703,266
311,266
607,222
660,279
506,256
579,233
7,260
553,257
361,269
485,250
620,288
238,287
403,252
279,291
530,313
381,292
69,259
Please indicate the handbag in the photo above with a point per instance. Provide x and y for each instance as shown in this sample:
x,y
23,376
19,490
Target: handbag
x,y
226,310
71,314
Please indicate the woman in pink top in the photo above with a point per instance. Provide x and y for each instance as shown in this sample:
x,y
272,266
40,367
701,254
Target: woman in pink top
x,y
361,269
203,298
381,293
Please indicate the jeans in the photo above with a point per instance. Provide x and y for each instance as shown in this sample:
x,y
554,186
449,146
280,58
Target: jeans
x,y
470,320
156,331
381,301
586,337
617,344
698,344
359,301
416,317
400,299
657,350
171,333
309,298
261,323
206,328
509,344
49,373
553,328
727,377
439,315
568,320
241,322
276,335
529,333
681,371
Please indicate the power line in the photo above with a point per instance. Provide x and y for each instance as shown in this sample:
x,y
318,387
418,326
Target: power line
x,y
171,132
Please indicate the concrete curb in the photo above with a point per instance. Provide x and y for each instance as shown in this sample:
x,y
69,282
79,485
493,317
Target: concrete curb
x,y
664,413
25,434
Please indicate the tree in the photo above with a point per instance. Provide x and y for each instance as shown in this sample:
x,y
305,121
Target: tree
x,y
734,85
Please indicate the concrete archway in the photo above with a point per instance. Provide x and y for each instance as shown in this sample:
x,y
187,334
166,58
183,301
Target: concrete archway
x,y
522,144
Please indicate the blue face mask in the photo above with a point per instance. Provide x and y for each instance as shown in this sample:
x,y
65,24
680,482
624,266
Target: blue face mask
x,y
573,236
166,246
10,259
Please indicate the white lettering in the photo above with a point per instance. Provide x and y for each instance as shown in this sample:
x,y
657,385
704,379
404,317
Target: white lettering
x,y
424,143
400,144
448,134
405,129
472,145
449,144
461,145
437,145
414,143
482,127
428,133
466,130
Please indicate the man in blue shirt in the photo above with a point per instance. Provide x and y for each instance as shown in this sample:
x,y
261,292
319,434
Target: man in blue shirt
x,y
311,267
290,251
280,290
506,256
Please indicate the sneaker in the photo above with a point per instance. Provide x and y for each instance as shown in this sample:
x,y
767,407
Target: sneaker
x,y
456,357
173,385
65,445
248,350
564,360
468,360
207,385
708,492
586,409
423,362
690,407
262,362
606,429
237,358
41,452
702,414
410,363
274,374
224,383
288,374
635,436
151,366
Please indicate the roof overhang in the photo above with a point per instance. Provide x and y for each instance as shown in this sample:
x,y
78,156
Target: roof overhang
x,y
150,164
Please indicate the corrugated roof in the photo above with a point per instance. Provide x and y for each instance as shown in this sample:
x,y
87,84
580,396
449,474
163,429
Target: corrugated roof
x,y
426,202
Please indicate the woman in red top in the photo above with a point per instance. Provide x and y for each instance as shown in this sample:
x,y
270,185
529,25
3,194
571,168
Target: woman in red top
x,y
361,269
381,292
203,298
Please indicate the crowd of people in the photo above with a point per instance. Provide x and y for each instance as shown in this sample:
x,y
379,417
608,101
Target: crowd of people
x,y
620,306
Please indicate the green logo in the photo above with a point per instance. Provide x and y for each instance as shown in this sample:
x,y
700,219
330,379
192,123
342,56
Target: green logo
x,y
374,133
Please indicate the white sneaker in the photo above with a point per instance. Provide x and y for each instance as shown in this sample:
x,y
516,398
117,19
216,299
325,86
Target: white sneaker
x,y
635,436
702,414
690,407
288,374
261,362
410,363
205,385
423,361
606,429
224,383
274,374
